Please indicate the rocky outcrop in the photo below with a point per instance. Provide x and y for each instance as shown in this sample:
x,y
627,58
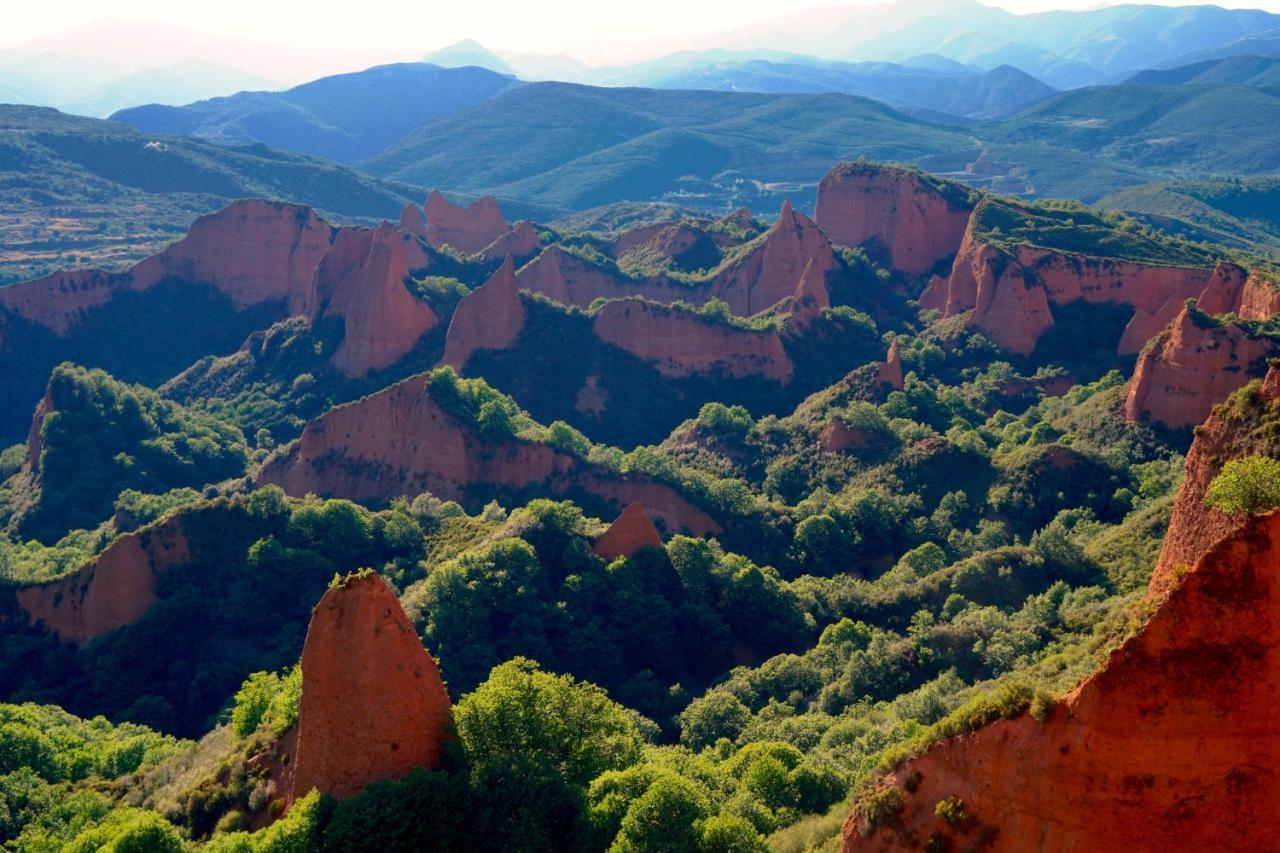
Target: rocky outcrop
x,y
1193,366
411,220
489,317
115,589
1260,298
1239,430
251,251
681,343
1173,745
362,280
399,441
1011,293
573,280
630,531
770,270
468,229
902,215
889,371
520,242
810,299
837,436
373,704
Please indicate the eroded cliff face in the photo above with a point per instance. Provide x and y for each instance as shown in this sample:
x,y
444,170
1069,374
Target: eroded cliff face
x,y
468,229
362,280
520,242
1238,431
400,442
889,371
769,272
252,251
489,317
1174,743
1011,293
1192,367
630,531
373,704
913,223
679,343
115,589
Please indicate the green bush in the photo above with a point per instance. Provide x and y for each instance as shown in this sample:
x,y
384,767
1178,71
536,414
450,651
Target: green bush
x,y
1250,485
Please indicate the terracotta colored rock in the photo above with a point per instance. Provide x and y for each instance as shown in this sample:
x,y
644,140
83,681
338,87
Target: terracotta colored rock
x,y
520,242
373,704
630,531
362,280
489,317
572,280
1192,367
769,272
1259,299
810,299
1193,526
252,251
400,442
889,371
1011,293
680,343
914,223
113,590
837,436
411,220
1172,745
468,229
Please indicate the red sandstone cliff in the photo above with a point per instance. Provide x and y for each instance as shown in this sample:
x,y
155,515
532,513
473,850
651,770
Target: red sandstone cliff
x,y
1174,743
362,280
630,531
373,704
252,251
113,590
810,299
411,220
468,229
1193,526
1192,367
400,442
679,343
914,223
520,242
1011,293
489,317
889,371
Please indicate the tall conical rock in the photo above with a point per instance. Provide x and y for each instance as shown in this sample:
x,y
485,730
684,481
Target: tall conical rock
x,y
630,531
490,317
373,704
468,229
769,271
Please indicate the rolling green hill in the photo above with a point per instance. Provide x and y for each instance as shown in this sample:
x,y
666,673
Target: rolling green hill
x,y
79,191
1243,213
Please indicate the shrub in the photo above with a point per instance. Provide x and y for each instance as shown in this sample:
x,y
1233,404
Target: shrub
x,y
952,811
1250,485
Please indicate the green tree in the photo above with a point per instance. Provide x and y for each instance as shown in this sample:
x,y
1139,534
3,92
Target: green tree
x,y
666,817
1250,485
713,716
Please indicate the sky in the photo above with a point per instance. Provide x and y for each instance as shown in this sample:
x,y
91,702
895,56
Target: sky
x,y
592,30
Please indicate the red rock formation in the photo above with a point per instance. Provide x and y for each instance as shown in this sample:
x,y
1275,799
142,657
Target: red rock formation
x,y
770,271
520,242
1192,367
889,371
1260,298
1010,293
896,210
373,704
1193,526
468,229
113,590
400,442
572,280
837,436
411,220
630,531
810,299
681,343
362,280
489,317
1173,745
252,251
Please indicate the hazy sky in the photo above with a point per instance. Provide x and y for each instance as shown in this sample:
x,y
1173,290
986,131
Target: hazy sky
x,y
594,30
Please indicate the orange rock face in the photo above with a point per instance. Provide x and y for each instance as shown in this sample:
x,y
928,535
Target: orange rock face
x,y
889,371
679,343
629,532
1194,526
1011,294
113,590
468,229
1173,745
1191,368
373,704
400,442
411,220
520,242
770,272
810,299
913,222
362,280
489,317
252,251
